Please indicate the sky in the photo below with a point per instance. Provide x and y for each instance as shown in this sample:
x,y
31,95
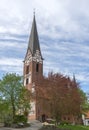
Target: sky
x,y
63,28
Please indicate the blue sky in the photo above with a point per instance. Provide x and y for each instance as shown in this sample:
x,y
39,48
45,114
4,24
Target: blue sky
x,y
63,27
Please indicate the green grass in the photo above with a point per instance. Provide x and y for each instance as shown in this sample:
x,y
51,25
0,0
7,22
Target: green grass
x,y
76,127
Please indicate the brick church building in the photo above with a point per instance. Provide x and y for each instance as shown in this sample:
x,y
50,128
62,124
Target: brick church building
x,y
33,66
33,71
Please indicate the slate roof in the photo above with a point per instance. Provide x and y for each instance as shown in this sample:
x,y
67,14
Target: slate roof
x,y
33,43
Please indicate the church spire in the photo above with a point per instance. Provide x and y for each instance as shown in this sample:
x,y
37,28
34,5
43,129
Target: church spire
x,y
33,44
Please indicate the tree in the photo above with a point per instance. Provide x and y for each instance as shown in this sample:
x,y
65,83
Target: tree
x,y
85,105
13,94
24,101
58,95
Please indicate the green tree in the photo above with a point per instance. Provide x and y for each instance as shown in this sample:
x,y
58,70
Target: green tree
x,y
85,105
24,101
13,95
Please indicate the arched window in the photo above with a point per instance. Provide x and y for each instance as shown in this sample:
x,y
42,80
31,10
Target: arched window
x,y
37,67
27,80
27,69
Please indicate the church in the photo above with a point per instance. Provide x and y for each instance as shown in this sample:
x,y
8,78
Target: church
x,y
33,66
33,72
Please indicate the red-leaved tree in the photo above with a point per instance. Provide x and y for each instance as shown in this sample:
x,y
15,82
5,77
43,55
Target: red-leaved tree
x,y
58,95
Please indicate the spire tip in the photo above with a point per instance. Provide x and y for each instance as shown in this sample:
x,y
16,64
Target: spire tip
x,y
34,11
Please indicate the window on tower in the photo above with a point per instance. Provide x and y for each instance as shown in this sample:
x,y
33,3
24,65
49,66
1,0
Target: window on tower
x,y
37,67
27,81
27,69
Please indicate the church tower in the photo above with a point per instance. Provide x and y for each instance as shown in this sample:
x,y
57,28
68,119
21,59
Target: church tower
x,y
33,63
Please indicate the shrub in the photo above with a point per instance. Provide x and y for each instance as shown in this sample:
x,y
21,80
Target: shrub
x,y
20,118
64,123
8,120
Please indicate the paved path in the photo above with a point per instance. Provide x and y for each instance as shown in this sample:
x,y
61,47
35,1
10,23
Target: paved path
x,y
35,125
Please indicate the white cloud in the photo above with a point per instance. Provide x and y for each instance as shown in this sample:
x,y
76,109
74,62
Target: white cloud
x,y
11,65
63,30
10,61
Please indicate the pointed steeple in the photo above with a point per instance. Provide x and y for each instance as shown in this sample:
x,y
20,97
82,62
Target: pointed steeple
x,y
33,44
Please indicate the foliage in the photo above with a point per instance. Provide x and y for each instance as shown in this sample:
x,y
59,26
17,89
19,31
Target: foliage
x,y
8,120
64,123
20,118
24,101
59,95
13,96
85,105
65,127
75,127
4,109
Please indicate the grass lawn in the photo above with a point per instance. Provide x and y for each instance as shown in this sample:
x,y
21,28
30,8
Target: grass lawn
x,y
76,127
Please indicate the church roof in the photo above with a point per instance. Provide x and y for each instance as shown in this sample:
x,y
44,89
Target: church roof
x,y
33,43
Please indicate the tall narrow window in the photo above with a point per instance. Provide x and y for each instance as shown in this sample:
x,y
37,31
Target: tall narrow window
x,y
27,81
68,118
37,67
27,69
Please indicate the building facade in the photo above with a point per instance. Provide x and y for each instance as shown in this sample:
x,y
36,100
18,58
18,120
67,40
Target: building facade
x,y
33,66
85,118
